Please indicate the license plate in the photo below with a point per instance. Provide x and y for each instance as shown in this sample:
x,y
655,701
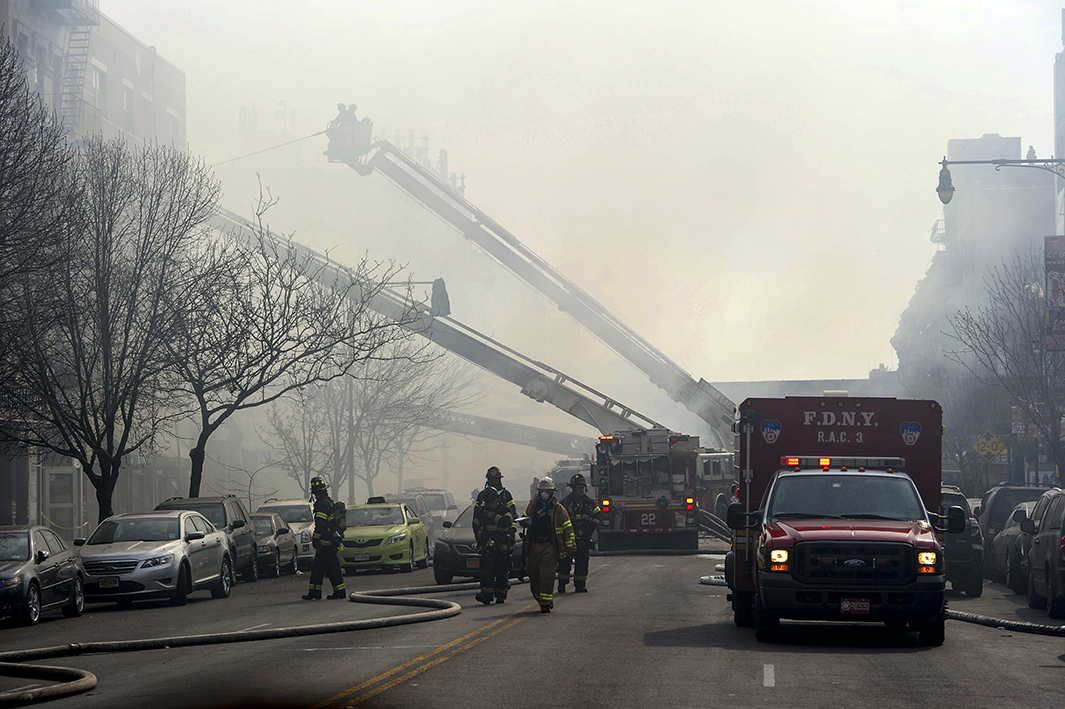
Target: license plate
x,y
474,563
362,556
854,605
109,582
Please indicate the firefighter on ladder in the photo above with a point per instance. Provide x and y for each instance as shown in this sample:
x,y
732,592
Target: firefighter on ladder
x,y
548,538
584,513
325,540
494,531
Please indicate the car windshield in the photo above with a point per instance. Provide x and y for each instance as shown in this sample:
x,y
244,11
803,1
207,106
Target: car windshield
x,y
845,496
294,513
135,530
435,500
14,546
211,510
369,516
465,519
262,525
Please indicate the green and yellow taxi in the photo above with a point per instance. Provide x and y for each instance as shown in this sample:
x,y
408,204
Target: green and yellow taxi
x,y
383,535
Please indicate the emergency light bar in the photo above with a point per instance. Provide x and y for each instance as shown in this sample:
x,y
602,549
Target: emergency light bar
x,y
813,461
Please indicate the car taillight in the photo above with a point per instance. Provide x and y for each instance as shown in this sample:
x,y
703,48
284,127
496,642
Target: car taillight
x,y
974,528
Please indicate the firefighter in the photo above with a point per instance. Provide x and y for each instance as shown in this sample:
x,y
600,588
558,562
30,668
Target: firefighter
x,y
584,514
325,540
494,479
494,532
548,538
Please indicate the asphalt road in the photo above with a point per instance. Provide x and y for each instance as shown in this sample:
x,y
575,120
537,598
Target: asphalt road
x,y
647,635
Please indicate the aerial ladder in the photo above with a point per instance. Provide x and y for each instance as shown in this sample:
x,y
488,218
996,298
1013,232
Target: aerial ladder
x,y
351,142
537,380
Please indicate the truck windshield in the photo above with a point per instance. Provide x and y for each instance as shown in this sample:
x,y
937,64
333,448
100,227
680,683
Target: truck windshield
x,y
845,496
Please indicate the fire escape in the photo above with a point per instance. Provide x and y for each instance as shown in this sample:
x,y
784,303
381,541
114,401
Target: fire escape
x,y
78,16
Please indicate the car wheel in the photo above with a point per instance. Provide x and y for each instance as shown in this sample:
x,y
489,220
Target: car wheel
x,y
933,633
225,580
766,625
251,571
32,614
1034,599
1014,579
77,599
441,575
424,563
409,566
974,586
293,565
181,593
275,570
1055,602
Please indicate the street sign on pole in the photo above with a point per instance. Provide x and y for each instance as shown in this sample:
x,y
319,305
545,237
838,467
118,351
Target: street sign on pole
x,y
989,446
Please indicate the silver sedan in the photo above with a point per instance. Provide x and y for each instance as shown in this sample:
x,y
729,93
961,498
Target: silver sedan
x,y
163,554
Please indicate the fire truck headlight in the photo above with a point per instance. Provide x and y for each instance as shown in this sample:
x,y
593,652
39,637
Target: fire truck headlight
x,y
778,556
927,558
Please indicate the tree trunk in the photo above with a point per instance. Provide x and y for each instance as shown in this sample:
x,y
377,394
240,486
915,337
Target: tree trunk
x,y
197,455
105,491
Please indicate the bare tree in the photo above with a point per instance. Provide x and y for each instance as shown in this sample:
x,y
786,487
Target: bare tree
x,y
282,318
92,375
1004,343
295,433
243,484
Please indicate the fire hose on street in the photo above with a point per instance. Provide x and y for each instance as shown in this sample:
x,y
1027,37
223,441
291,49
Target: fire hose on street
x,y
71,681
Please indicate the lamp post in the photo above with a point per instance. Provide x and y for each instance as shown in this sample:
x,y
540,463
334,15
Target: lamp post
x,y
945,190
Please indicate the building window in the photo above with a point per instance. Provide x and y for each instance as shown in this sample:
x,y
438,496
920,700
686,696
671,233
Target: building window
x,y
99,90
127,107
149,119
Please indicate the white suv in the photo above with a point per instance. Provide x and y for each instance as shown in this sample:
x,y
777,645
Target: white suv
x,y
299,514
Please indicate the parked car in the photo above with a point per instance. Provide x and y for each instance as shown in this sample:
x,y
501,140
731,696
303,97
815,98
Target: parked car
x,y
1005,550
1046,567
276,544
163,554
964,551
997,504
441,503
421,508
38,573
456,552
299,515
383,535
230,516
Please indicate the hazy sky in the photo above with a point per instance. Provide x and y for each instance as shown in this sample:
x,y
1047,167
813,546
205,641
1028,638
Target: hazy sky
x,y
749,185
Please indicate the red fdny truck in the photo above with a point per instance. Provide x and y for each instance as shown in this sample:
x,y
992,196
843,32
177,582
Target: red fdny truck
x,y
834,521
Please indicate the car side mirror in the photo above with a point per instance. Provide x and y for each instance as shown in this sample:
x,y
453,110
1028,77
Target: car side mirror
x,y
237,524
447,523
1019,516
956,520
1028,526
977,510
41,556
80,541
193,536
736,518
283,530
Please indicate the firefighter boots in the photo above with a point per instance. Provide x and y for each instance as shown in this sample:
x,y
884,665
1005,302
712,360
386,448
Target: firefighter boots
x,y
312,597
336,594
561,587
481,598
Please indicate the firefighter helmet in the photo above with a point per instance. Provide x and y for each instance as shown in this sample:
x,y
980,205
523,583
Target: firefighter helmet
x,y
546,484
318,484
577,481
493,472
490,495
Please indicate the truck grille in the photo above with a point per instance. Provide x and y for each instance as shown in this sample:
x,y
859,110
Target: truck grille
x,y
854,563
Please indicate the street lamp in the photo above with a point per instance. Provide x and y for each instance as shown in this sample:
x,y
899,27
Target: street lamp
x,y
945,190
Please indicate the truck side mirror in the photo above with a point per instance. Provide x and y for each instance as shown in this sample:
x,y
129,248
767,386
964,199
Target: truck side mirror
x,y
735,517
956,520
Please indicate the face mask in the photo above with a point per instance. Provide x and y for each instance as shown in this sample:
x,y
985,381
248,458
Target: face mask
x,y
545,495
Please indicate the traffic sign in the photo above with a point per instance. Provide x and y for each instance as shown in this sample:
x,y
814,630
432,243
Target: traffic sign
x,y
989,446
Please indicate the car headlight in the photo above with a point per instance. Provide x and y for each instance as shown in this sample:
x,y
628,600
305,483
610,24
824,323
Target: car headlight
x,y
305,537
396,538
158,561
264,548
11,581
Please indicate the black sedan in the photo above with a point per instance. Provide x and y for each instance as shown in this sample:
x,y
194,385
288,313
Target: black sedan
x,y
275,544
1008,550
38,573
455,553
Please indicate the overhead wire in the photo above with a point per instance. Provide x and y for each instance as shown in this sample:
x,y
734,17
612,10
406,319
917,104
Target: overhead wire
x,y
264,150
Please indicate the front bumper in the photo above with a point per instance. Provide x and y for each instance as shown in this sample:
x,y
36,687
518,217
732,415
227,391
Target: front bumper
x,y
919,601
375,557
13,600
446,559
155,582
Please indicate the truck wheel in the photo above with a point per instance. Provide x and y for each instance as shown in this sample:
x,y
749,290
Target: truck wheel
x,y
743,608
1034,599
974,586
766,625
933,633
